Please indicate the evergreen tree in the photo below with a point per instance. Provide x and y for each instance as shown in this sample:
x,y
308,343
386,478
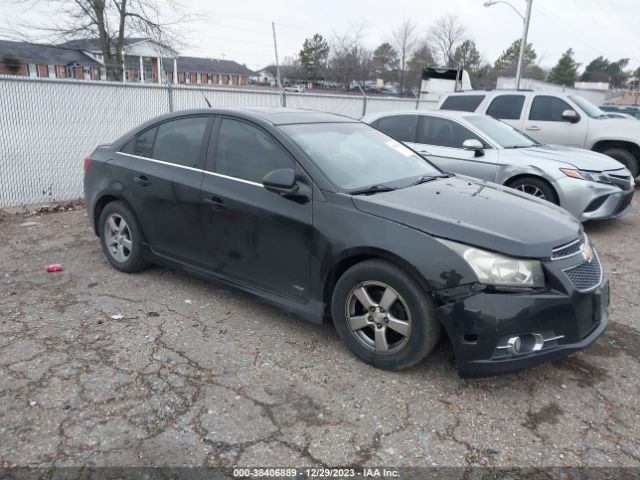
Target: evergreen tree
x,y
314,55
467,56
507,63
566,70
385,61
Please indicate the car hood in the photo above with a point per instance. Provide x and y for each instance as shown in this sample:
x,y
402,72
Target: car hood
x,y
477,213
572,157
614,129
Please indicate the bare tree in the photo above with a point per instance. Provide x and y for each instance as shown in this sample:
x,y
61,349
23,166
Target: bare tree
x,y
110,22
446,34
404,41
349,60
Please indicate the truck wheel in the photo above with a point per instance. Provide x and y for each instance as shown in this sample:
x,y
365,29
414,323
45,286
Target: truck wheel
x,y
625,157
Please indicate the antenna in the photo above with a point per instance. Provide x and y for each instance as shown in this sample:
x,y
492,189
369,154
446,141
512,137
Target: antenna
x,y
206,100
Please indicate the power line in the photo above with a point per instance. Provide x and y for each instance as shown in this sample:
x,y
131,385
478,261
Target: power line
x,y
579,38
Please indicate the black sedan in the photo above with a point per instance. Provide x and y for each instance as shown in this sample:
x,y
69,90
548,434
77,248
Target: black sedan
x,y
329,218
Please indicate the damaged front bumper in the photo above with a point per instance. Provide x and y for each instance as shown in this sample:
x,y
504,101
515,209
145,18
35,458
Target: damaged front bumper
x,y
496,332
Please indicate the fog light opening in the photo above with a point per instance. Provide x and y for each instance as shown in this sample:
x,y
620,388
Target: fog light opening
x,y
470,338
530,342
514,345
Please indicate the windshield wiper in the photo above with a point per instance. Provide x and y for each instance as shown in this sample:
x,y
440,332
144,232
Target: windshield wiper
x,y
372,189
427,178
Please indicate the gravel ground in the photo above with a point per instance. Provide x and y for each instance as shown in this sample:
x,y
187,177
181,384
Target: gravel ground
x,y
159,368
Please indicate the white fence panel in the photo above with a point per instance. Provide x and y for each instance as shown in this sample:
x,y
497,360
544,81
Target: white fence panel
x,y
351,106
48,126
196,97
377,104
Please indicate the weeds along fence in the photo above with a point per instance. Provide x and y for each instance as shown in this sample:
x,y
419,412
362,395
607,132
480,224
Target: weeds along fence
x,y
48,126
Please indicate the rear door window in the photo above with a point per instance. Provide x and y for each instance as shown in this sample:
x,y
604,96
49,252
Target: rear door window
x,y
443,132
548,109
462,103
248,153
400,127
506,107
180,141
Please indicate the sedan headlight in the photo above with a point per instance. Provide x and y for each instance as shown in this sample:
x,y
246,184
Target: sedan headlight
x,y
499,270
583,175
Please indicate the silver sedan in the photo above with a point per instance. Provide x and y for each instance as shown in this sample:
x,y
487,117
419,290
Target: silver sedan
x,y
588,184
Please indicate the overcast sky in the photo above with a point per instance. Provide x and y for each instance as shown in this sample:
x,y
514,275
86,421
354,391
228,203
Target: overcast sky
x,y
241,29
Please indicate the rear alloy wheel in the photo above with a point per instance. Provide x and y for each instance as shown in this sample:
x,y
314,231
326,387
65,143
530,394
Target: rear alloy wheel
x,y
625,157
121,238
383,316
535,187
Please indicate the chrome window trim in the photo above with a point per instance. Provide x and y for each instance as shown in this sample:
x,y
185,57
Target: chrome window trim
x,y
200,170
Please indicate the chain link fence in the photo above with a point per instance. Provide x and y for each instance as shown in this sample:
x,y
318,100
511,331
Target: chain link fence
x,y
48,126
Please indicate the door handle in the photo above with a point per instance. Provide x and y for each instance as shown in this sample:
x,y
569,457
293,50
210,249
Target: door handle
x,y
142,180
215,203
423,152
532,128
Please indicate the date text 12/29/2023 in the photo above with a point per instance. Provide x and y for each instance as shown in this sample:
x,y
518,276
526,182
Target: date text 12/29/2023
x,y
315,473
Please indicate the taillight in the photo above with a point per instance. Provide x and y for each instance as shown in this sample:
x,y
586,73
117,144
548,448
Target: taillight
x,y
87,164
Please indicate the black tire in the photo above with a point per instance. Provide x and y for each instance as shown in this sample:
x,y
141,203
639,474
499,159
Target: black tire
x,y
532,184
625,157
133,261
424,328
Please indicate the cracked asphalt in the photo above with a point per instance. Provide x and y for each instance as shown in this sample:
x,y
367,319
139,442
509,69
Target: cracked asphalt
x,y
106,369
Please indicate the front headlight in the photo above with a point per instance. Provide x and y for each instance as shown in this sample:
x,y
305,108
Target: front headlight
x,y
499,270
583,175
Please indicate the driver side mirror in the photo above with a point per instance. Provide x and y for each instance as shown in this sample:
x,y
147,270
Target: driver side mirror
x,y
281,181
474,145
570,116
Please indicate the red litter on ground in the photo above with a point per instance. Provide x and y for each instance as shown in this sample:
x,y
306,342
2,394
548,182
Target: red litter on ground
x,y
54,267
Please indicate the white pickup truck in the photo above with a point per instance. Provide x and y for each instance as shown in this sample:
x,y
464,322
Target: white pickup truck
x,y
556,118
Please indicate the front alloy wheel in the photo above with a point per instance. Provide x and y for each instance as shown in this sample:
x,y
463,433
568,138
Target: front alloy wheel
x,y
383,315
532,190
378,317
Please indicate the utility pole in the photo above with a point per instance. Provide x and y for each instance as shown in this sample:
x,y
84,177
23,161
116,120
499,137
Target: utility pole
x,y
523,44
275,46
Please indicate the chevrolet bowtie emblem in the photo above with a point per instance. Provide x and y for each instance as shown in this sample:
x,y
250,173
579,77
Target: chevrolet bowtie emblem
x,y
587,253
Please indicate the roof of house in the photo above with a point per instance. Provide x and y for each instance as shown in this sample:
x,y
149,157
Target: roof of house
x,y
285,71
93,44
206,65
44,54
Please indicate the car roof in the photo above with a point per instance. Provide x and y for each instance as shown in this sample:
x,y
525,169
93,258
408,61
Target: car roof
x,y
266,115
273,115
439,113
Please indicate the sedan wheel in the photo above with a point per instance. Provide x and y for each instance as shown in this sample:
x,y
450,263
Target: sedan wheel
x,y
117,237
383,315
535,187
121,238
378,317
532,190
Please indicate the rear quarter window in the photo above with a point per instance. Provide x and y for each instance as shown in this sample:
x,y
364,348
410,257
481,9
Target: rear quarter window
x,y
144,143
400,127
462,103
506,107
